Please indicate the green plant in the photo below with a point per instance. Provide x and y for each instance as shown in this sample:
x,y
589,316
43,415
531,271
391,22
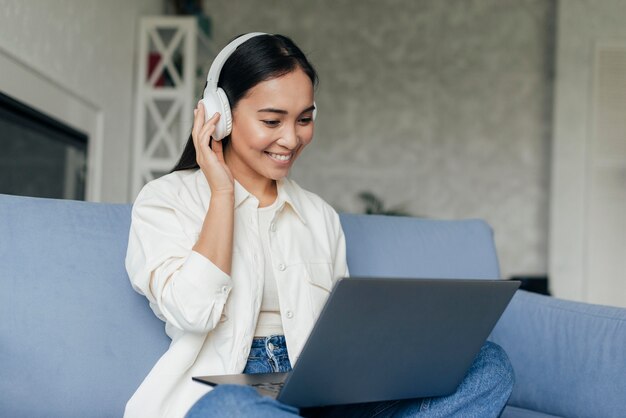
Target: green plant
x,y
375,206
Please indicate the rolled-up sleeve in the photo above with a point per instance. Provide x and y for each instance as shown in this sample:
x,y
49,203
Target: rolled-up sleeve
x,y
184,288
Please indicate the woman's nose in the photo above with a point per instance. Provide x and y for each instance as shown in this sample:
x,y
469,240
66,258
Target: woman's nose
x,y
290,138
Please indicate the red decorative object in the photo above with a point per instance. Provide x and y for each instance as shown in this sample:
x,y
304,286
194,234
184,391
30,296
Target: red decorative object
x,y
153,60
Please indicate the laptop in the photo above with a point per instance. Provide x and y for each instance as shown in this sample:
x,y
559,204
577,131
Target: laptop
x,y
381,339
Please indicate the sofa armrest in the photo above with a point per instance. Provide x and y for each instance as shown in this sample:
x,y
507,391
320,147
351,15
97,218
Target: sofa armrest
x,y
569,357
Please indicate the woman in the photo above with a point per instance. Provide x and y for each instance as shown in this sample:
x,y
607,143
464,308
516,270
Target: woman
x,y
238,260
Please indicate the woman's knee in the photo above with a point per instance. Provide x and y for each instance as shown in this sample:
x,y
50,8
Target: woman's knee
x,y
496,362
223,399
239,401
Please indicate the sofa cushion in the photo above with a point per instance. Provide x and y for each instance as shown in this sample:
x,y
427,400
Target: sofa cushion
x,y
569,357
393,246
75,339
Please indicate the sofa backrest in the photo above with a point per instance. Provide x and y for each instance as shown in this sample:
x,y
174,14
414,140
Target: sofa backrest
x,y
76,340
394,246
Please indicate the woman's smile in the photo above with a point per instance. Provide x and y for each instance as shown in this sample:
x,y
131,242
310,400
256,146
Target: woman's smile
x,y
283,159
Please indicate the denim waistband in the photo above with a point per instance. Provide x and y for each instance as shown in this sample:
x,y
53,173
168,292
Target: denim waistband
x,y
277,340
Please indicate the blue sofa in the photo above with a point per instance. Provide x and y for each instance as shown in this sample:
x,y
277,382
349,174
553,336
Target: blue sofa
x,y
76,340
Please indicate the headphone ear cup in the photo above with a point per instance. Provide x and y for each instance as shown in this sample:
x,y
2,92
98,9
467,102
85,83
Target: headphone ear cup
x,y
225,125
216,101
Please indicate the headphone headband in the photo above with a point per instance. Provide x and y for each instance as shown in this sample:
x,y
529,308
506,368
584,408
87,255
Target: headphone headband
x,y
218,62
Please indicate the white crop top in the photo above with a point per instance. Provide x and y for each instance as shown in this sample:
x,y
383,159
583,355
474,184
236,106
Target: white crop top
x,y
270,322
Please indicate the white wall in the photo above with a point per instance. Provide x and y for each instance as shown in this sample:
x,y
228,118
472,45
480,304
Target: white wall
x,y
87,48
588,201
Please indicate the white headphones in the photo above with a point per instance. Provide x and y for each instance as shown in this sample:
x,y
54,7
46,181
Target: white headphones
x,y
214,99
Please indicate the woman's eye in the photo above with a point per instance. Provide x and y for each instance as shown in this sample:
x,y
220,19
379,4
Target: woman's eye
x,y
306,120
271,123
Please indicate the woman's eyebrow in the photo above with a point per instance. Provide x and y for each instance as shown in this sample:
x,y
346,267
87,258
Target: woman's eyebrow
x,y
284,112
272,110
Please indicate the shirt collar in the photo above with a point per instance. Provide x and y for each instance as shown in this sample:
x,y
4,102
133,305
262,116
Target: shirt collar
x,y
241,194
286,195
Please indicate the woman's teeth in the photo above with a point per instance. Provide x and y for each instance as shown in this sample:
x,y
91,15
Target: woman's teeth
x,y
280,157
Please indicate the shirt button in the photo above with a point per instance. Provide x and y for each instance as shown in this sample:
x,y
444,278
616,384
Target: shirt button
x,y
224,289
256,257
282,267
273,227
270,346
289,314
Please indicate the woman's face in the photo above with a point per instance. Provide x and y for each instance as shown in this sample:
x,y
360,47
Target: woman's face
x,y
271,126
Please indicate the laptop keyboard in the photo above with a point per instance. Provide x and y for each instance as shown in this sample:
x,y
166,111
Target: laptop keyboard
x,y
273,387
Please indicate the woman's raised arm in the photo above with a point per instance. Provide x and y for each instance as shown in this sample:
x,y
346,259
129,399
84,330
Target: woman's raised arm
x,y
216,237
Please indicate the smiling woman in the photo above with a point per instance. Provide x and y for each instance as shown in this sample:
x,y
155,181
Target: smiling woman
x,y
222,245
231,253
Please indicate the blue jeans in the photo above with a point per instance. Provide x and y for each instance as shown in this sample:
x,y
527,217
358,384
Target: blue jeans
x,y
482,393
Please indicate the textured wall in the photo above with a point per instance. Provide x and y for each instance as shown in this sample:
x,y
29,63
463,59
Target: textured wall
x,y
87,46
443,106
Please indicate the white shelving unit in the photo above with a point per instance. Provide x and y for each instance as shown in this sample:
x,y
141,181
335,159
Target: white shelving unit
x,y
167,82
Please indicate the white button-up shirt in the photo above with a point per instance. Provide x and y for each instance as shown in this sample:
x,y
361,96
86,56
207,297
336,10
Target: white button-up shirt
x,y
211,316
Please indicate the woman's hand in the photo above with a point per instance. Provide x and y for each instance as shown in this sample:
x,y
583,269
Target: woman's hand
x,y
211,158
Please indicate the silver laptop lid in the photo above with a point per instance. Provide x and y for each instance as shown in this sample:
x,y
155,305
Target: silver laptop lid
x,y
383,339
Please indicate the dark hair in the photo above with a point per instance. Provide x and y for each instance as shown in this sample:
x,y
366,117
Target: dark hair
x,y
261,58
